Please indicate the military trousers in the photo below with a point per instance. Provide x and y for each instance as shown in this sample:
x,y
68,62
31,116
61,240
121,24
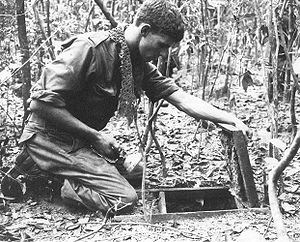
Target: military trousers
x,y
88,178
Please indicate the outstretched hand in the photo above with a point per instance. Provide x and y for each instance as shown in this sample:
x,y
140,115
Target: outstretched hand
x,y
243,127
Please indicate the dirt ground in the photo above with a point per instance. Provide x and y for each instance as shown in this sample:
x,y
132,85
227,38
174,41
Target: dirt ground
x,y
45,218
41,221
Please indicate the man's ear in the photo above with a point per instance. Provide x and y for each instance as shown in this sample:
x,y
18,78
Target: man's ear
x,y
145,30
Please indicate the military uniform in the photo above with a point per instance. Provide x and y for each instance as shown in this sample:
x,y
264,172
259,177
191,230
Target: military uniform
x,y
85,79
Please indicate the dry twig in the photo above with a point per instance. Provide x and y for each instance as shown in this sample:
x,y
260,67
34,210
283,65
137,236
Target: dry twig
x,y
41,24
109,214
89,16
184,233
106,13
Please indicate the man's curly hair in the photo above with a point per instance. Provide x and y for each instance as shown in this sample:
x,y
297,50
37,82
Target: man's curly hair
x,y
163,16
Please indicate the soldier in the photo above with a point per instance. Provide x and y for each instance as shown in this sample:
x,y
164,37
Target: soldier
x,y
95,75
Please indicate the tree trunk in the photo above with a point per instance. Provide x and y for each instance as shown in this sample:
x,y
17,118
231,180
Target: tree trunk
x,y
205,76
48,22
292,110
88,18
113,5
255,42
275,78
23,41
291,27
201,57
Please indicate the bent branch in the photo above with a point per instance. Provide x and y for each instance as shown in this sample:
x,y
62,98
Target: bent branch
x,y
273,178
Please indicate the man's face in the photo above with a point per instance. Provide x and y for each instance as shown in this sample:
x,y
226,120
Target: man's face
x,y
153,45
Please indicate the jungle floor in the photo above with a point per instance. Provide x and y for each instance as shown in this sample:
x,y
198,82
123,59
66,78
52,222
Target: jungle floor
x,y
194,159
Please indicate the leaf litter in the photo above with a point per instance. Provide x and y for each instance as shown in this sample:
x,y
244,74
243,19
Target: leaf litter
x,y
194,159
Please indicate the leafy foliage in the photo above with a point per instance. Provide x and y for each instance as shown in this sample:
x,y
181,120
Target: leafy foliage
x,y
7,33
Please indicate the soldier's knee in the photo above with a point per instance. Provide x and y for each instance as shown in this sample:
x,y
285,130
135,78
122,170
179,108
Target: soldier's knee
x,y
130,197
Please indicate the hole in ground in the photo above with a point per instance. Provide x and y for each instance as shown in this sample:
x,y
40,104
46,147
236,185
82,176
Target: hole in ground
x,y
204,199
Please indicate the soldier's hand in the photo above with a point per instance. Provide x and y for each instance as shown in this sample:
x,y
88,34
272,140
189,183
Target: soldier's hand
x,y
243,127
106,145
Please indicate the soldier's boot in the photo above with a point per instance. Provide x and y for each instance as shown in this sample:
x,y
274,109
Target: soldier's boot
x,y
25,170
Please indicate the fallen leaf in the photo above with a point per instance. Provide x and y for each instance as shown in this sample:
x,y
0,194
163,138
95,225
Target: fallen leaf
x,y
250,235
72,226
83,220
238,228
270,163
289,208
278,143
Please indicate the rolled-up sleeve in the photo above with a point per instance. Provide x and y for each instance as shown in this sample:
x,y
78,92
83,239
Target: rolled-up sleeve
x,y
155,85
66,75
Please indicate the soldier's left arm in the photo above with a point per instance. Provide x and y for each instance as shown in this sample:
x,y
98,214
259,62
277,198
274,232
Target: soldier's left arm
x,y
199,109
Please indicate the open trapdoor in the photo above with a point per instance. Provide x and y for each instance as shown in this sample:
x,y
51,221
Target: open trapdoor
x,y
241,193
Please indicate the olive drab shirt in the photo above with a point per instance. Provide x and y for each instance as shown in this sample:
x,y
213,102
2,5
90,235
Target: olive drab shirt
x,y
85,79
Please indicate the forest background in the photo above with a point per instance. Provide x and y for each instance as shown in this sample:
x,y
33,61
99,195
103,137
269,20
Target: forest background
x,y
227,44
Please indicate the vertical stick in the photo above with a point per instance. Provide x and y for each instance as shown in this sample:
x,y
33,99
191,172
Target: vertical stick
x,y
23,41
